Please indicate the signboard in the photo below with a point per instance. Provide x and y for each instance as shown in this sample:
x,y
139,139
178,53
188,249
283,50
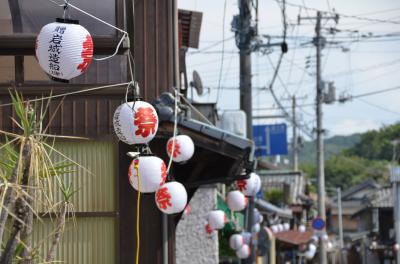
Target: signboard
x,y
270,140
318,223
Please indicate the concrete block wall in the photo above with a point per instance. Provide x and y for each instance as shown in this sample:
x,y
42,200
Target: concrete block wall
x,y
193,244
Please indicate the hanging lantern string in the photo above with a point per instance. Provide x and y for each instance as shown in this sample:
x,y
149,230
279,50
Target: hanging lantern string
x,y
66,5
175,132
70,93
66,8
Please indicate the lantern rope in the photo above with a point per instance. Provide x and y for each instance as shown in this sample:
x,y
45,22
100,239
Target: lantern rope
x,y
67,4
175,132
138,222
71,93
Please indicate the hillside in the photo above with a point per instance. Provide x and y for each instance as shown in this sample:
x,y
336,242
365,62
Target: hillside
x,y
333,146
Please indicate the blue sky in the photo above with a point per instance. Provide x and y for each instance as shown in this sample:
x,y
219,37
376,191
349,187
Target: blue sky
x,y
369,65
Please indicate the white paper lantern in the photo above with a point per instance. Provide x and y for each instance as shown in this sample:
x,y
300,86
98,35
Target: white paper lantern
x,y
314,238
258,184
250,186
236,201
329,245
183,150
256,228
236,241
243,252
302,229
286,226
274,229
138,125
216,219
261,219
280,228
256,216
246,237
64,50
152,172
309,255
325,237
171,198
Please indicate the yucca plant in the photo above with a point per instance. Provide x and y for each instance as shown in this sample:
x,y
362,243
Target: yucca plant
x,y
29,179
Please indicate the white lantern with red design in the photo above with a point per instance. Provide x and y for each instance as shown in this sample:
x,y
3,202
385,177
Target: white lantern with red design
x,y
243,252
250,186
171,198
236,201
64,50
152,172
183,148
209,229
135,122
236,241
216,219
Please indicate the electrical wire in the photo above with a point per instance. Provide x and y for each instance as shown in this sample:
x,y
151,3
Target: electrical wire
x,y
222,54
379,107
67,4
341,14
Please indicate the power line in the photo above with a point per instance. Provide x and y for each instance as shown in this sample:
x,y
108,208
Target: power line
x,y
379,107
343,15
223,53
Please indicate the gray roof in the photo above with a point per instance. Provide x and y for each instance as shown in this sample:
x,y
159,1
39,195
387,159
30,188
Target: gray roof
x,y
383,198
359,190
295,181
264,205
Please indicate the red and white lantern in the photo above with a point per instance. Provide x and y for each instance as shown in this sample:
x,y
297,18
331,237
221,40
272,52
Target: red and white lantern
x,y
250,186
216,219
236,201
236,241
209,229
64,50
171,198
183,148
135,122
243,252
152,172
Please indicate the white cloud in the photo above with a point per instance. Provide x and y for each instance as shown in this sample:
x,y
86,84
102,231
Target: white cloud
x,y
351,126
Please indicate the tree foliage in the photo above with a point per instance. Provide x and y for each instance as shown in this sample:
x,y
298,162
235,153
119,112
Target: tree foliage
x,y
376,144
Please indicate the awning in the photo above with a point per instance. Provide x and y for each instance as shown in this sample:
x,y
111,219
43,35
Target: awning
x,y
264,205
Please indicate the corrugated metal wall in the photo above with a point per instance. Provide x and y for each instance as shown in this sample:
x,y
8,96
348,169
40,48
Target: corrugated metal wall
x,y
93,239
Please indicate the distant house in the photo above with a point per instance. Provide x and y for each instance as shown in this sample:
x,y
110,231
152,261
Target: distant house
x,y
293,186
367,222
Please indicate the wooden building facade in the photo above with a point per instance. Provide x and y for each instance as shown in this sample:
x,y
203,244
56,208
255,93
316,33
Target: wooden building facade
x,y
106,207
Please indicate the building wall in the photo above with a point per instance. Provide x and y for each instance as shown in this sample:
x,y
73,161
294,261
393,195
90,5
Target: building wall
x,y
193,244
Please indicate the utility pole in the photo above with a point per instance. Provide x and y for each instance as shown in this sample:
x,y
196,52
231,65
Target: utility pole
x,y
395,179
320,141
245,32
340,218
319,42
295,148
